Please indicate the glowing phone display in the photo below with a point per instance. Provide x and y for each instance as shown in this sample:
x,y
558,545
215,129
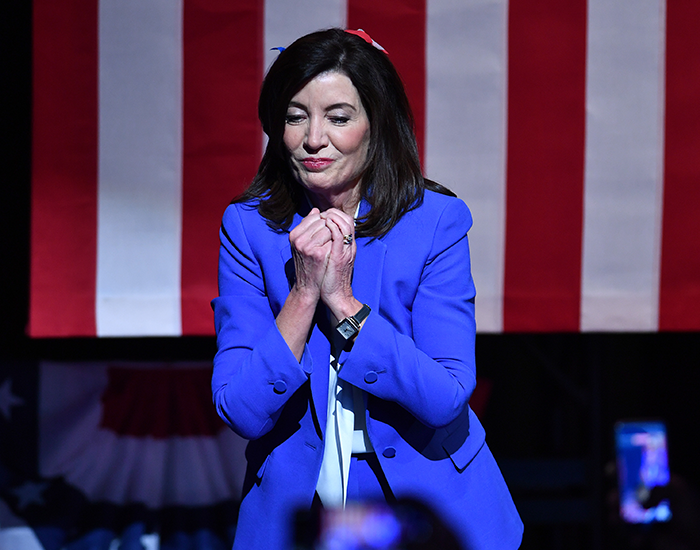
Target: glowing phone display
x,y
642,463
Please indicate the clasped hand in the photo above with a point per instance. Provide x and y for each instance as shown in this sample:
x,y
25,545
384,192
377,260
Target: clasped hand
x,y
323,262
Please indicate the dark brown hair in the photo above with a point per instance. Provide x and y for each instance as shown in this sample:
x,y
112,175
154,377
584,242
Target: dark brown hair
x,y
392,182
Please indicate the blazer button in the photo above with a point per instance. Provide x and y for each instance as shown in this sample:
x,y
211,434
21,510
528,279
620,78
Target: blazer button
x,y
280,386
389,452
371,377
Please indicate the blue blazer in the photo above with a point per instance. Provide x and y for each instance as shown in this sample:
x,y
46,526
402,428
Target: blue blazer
x,y
414,358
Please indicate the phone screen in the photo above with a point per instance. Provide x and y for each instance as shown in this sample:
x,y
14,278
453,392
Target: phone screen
x,y
642,463
371,525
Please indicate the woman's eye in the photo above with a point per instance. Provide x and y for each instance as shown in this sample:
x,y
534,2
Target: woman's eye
x,y
294,119
339,119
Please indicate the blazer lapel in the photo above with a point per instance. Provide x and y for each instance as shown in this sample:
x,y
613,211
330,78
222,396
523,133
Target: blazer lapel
x,y
367,276
369,263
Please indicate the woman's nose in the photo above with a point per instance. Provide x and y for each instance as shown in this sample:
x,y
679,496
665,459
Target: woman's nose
x,y
316,137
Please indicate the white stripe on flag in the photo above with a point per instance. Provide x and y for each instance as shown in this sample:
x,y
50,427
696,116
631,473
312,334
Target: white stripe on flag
x,y
140,168
286,21
466,131
624,164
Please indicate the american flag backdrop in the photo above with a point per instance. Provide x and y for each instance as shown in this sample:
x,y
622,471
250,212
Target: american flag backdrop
x,y
571,129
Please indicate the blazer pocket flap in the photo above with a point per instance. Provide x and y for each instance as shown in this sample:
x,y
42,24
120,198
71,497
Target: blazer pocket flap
x,y
464,455
464,442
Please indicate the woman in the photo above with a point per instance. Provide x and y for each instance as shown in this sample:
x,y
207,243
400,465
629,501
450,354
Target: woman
x,y
345,320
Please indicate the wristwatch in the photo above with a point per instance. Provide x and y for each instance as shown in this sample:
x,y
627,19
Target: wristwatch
x,y
350,326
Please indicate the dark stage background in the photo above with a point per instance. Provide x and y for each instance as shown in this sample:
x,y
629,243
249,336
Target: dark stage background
x,y
553,397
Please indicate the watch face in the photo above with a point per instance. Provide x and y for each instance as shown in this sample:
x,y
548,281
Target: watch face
x,y
346,329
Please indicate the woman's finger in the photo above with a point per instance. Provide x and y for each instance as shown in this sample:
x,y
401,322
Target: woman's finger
x,y
344,224
344,221
343,238
311,219
311,233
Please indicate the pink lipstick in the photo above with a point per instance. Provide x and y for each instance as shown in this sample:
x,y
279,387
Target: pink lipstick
x,y
316,164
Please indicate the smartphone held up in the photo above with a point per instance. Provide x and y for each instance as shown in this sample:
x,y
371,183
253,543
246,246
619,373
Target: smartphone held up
x,y
642,464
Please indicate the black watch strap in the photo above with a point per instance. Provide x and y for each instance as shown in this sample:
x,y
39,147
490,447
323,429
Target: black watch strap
x,y
362,314
350,326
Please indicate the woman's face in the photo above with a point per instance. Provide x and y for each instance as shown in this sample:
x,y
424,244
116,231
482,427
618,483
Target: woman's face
x,y
327,135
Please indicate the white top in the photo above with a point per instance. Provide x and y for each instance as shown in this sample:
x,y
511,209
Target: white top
x,y
346,433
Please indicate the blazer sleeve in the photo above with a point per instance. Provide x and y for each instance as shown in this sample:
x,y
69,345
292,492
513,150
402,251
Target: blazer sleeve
x,y
255,372
430,372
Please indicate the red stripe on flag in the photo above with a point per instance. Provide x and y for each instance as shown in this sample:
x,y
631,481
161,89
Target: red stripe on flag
x,y
399,27
159,403
222,139
545,166
64,169
679,293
